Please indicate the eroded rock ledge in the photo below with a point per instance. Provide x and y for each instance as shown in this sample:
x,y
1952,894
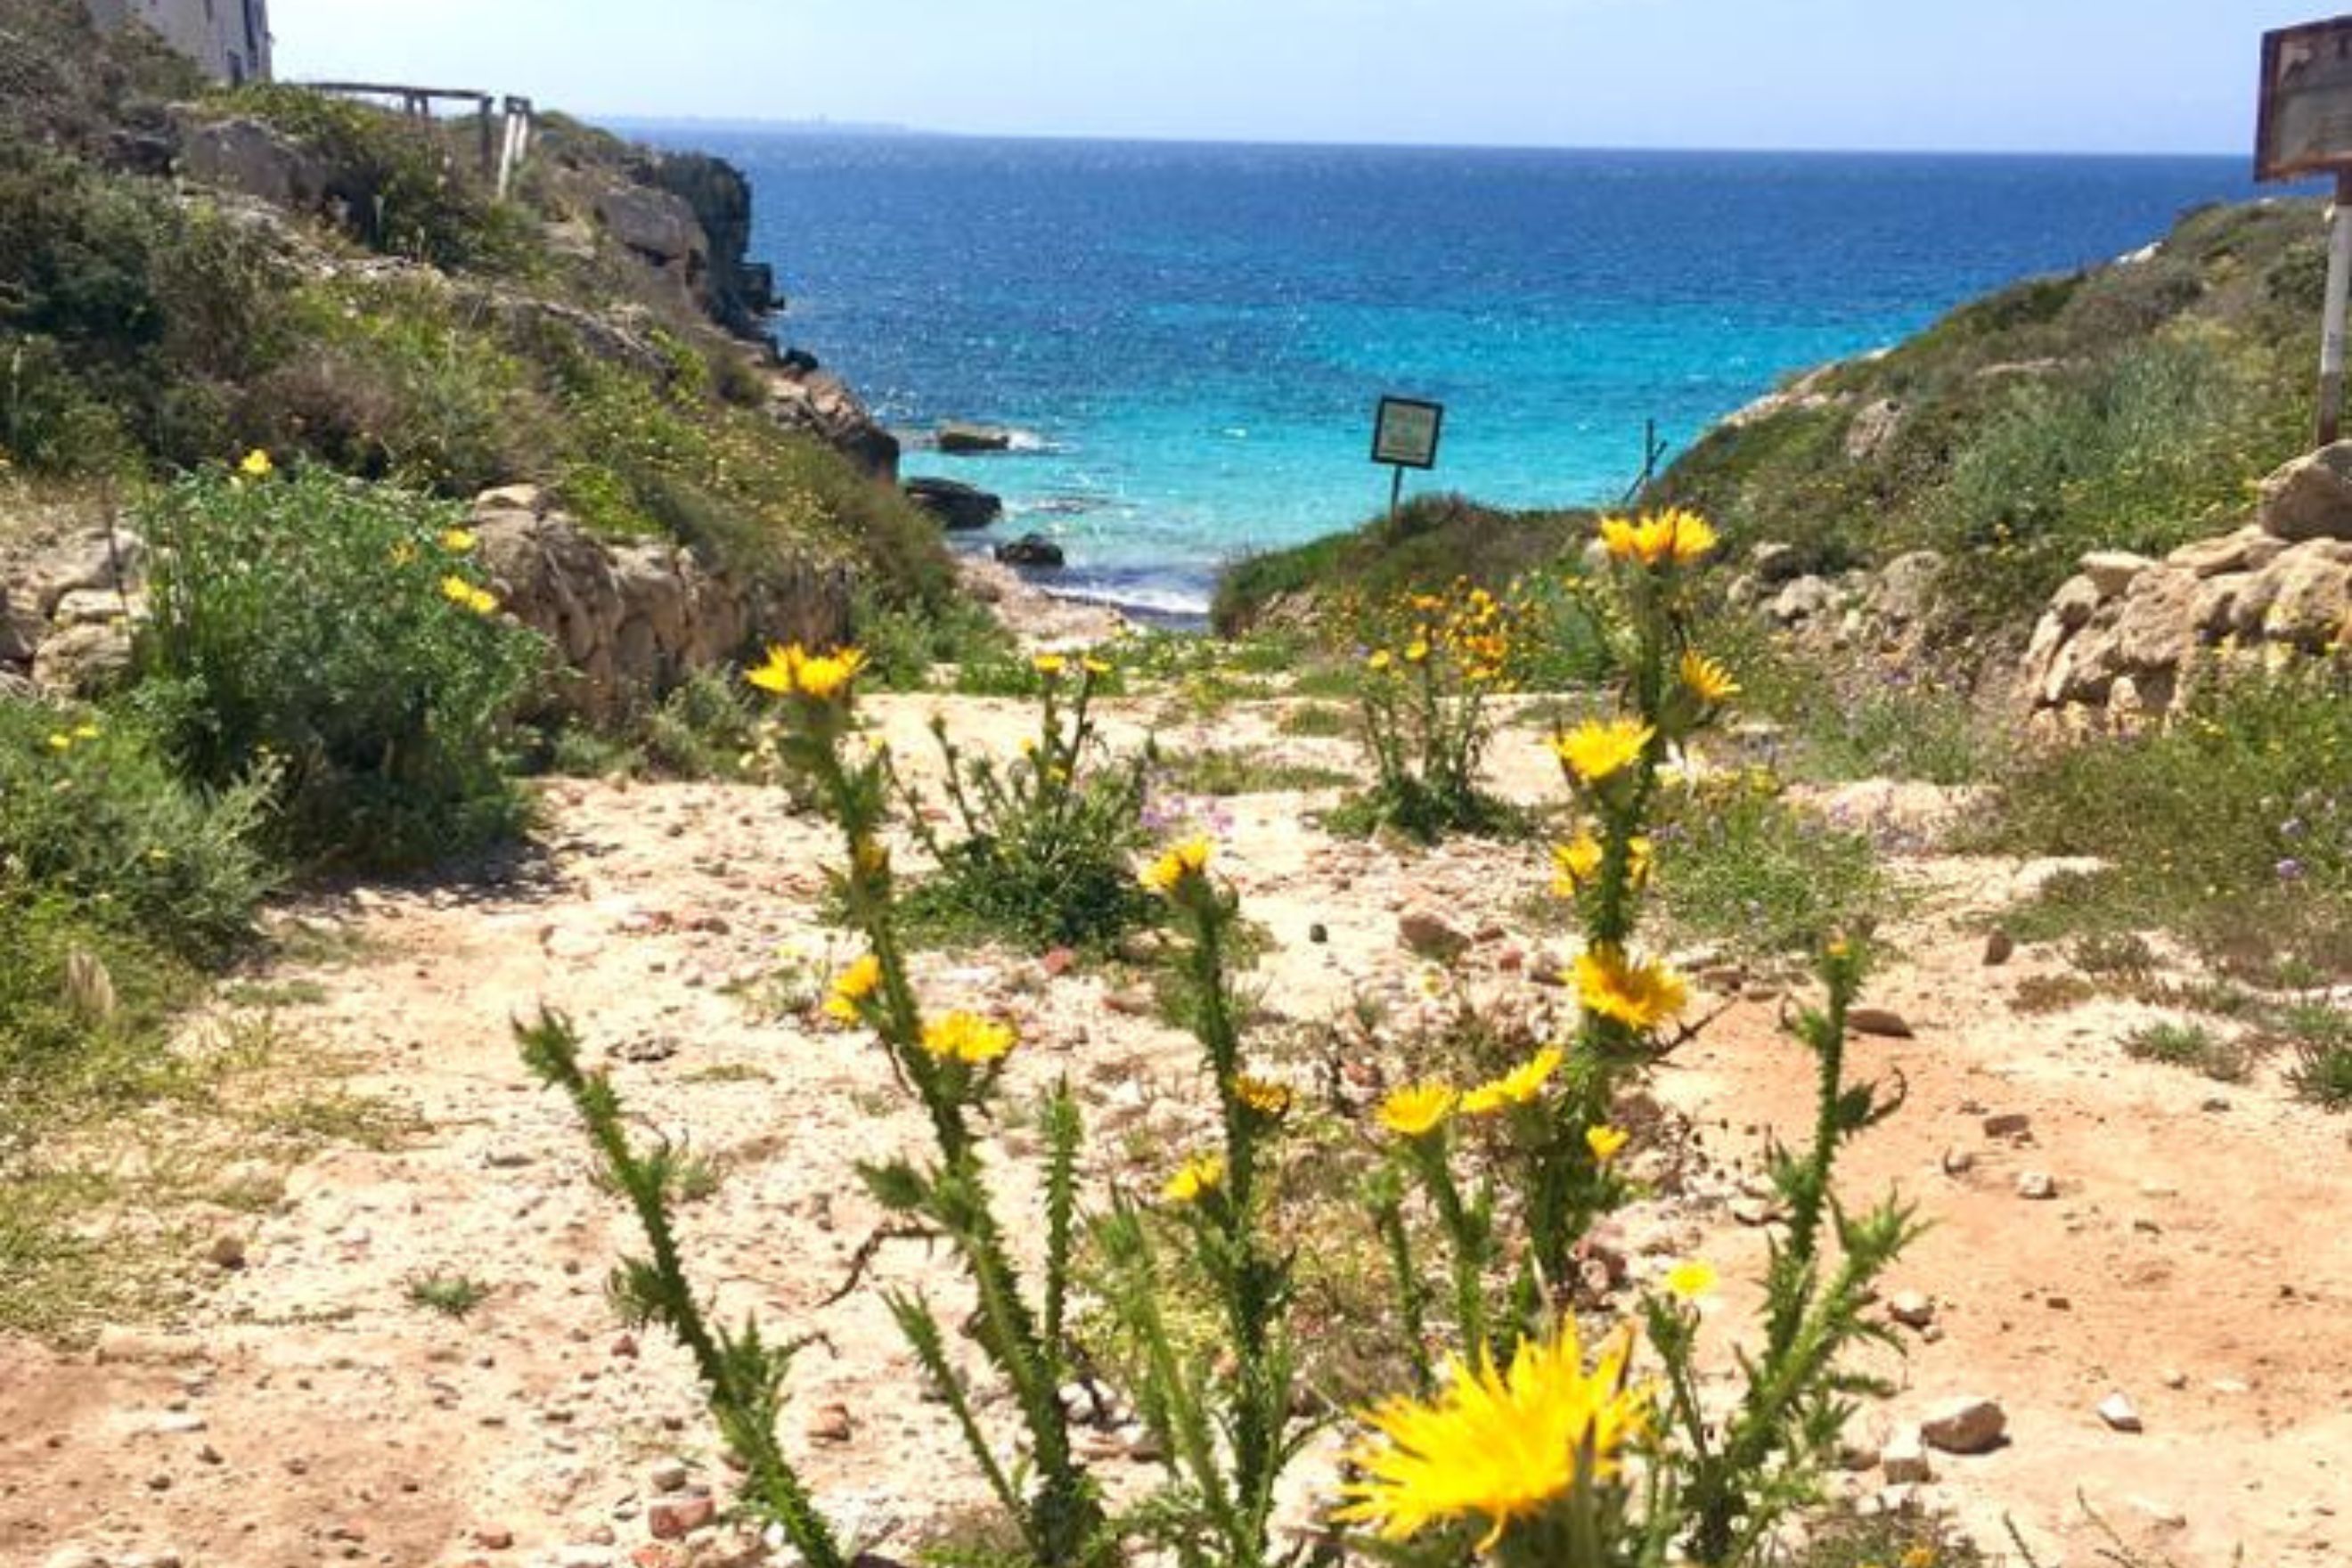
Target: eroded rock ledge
x,y
2125,637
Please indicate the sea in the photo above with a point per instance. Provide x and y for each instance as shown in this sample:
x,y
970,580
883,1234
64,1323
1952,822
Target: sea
x,y
1189,341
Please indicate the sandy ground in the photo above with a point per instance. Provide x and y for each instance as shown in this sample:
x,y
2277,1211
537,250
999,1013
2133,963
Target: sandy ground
x,y
306,1410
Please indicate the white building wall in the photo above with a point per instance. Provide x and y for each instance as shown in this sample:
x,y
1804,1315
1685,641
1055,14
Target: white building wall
x,y
228,39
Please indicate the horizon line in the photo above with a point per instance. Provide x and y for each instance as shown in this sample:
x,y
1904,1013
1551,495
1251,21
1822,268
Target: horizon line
x,y
887,129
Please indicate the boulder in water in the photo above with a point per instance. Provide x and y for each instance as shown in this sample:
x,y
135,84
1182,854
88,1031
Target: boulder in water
x,y
958,507
1031,550
960,437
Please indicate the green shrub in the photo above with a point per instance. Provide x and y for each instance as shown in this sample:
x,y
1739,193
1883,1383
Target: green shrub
x,y
2233,825
1047,839
903,639
337,633
404,192
84,1005
2187,1045
91,812
1743,867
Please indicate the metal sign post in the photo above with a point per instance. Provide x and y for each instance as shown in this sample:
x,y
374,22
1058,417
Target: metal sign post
x,y
1405,432
2304,128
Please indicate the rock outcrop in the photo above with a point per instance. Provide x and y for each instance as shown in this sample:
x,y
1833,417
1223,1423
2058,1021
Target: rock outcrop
x,y
803,395
2127,634
737,293
960,507
1885,611
630,621
67,612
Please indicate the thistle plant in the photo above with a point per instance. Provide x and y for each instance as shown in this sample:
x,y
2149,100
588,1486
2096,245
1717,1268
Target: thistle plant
x,y
1227,1430
742,1373
1522,1463
1668,692
1424,707
1047,839
1736,1483
950,1065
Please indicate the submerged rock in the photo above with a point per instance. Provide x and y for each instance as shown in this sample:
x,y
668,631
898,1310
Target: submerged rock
x,y
958,507
1031,550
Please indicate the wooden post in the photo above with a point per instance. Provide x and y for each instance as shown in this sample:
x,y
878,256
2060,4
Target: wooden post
x,y
490,145
2331,331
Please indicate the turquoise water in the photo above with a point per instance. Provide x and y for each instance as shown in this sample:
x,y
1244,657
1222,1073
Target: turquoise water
x,y
1191,338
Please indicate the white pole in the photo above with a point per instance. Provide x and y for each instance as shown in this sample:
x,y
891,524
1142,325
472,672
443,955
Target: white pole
x,y
2331,330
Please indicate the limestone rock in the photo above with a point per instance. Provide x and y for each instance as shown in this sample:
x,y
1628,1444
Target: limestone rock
x,y
955,437
655,224
2312,598
2076,600
1031,550
1971,1424
1905,590
2112,571
1804,599
1773,563
1905,1462
958,505
630,622
2248,550
2310,498
801,396
1431,935
2157,630
1873,426
247,155
84,660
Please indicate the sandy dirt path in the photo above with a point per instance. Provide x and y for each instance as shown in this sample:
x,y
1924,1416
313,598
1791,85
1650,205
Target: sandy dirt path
x,y
306,1410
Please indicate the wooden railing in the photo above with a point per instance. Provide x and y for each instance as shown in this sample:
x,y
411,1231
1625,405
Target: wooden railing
x,y
506,124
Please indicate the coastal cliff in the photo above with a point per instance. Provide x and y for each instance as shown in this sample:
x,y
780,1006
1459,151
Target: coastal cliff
x,y
189,274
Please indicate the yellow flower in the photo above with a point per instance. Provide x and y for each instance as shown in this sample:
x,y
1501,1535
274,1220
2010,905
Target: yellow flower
x,y
1642,995
795,672
1706,679
1496,1446
481,601
1606,1142
1675,536
60,742
455,589
852,985
1049,665
404,553
1197,1177
967,1037
458,541
85,732
1379,661
1691,1278
257,465
1601,748
1097,666
1919,1557
1418,1108
1520,1086
1263,1095
1417,650
1190,858
1575,864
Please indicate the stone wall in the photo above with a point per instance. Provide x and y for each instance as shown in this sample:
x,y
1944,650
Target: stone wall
x,y
627,622
630,621
2125,635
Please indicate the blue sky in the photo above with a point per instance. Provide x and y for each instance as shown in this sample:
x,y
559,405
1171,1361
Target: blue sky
x,y
1998,75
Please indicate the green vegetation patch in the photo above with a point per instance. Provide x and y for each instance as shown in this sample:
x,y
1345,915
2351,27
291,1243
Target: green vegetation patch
x,y
2231,827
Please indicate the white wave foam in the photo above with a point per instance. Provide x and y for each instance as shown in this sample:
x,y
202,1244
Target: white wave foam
x,y
1137,600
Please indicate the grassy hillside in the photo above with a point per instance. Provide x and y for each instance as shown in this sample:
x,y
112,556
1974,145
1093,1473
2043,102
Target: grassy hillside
x,y
2131,406
407,326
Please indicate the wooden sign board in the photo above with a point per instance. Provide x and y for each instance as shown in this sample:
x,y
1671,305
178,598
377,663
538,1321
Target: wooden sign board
x,y
2305,126
1405,432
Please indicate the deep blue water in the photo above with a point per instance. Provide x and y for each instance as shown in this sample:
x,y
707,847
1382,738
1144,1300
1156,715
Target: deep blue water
x,y
1193,337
